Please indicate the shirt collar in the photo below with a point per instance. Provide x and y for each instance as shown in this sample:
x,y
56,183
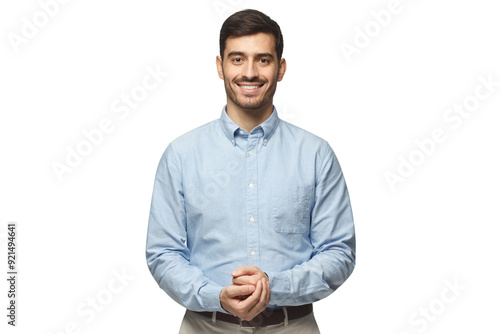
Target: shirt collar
x,y
268,126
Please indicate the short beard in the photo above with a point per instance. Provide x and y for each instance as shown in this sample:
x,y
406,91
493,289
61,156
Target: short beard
x,y
255,106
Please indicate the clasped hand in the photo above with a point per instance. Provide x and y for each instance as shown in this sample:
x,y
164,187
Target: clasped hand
x,y
249,294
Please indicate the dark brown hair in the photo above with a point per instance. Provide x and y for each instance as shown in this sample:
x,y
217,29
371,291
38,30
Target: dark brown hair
x,y
249,22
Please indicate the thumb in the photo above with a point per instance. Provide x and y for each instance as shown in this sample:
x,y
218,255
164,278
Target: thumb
x,y
245,270
240,290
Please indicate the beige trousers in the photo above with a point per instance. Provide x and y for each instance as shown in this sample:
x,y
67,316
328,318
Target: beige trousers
x,y
194,323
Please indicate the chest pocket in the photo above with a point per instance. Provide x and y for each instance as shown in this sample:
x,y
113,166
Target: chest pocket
x,y
291,208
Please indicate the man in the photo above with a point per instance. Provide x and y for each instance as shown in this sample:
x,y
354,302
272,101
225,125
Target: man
x,y
250,217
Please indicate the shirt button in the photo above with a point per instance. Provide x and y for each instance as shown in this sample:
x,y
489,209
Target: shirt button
x,y
232,141
252,219
250,153
251,185
241,131
252,253
265,140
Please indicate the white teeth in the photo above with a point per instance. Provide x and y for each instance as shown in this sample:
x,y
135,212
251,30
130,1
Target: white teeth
x,y
250,87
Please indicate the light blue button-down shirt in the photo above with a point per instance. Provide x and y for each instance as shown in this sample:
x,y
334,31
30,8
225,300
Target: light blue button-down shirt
x,y
225,198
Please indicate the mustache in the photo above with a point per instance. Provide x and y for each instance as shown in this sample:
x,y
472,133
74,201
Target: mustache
x,y
255,80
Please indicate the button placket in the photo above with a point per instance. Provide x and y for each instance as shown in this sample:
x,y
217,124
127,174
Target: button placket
x,y
252,200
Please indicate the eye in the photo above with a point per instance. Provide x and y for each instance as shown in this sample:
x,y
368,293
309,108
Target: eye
x,y
264,60
237,60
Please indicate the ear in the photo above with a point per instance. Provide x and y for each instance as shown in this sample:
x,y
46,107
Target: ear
x,y
218,62
282,69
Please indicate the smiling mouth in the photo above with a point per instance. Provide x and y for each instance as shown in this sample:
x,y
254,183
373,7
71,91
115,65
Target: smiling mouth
x,y
250,87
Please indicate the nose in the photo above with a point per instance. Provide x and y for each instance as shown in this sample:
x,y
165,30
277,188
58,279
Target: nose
x,y
250,71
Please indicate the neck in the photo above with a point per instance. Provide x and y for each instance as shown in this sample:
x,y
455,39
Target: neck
x,y
248,118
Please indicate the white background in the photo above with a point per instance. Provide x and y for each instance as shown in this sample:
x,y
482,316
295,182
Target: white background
x,y
440,225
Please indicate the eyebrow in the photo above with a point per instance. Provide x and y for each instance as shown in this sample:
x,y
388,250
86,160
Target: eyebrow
x,y
260,55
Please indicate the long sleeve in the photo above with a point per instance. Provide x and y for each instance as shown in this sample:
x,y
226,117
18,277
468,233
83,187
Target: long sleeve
x,y
332,237
224,198
167,255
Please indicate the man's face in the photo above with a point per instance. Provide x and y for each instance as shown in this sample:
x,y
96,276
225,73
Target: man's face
x,y
250,70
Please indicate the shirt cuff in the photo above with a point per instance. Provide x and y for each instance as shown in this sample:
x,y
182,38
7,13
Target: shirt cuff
x,y
212,301
280,288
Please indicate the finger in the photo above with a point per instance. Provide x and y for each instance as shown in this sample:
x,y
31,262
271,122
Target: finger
x,y
266,292
267,287
239,290
253,299
263,301
245,270
245,280
260,304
